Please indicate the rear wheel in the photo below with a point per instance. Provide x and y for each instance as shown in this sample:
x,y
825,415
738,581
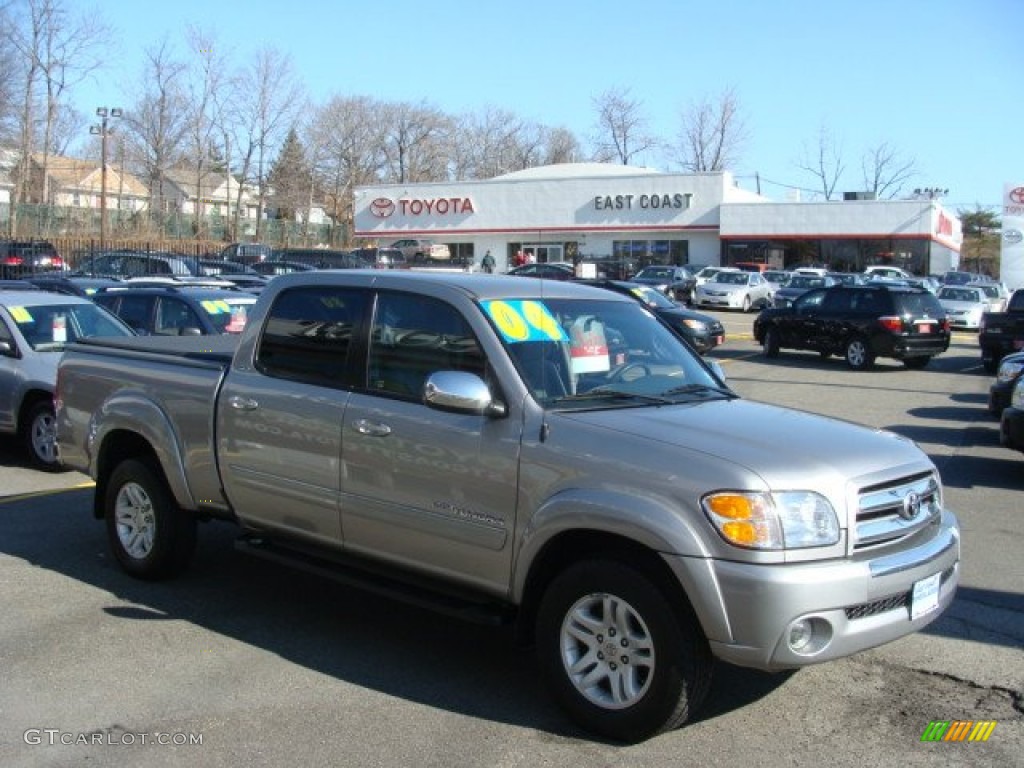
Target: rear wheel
x,y
858,354
621,659
151,537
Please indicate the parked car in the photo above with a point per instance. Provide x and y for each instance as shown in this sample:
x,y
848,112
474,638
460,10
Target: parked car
x,y
705,274
956,277
702,331
246,253
217,267
676,282
1001,333
35,327
272,268
861,322
26,257
545,270
422,250
130,263
73,285
322,258
1011,422
1001,390
883,270
752,266
798,285
964,304
178,310
848,278
383,258
734,289
996,294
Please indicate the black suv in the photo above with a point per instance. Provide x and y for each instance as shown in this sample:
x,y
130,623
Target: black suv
x,y
321,258
859,322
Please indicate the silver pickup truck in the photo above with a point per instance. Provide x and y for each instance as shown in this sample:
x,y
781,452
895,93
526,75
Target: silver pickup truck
x,y
520,450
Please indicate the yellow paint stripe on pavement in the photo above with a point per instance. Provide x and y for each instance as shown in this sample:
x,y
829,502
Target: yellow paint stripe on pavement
x,y
48,492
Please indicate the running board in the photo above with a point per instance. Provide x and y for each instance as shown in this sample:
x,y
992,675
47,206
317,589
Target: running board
x,y
440,598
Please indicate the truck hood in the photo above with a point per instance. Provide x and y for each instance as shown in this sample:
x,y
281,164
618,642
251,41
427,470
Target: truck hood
x,y
784,447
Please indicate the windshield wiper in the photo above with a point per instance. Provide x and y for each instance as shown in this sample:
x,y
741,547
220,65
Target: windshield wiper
x,y
694,389
601,393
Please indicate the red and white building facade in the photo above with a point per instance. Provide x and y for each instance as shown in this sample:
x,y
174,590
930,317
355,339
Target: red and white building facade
x,y
594,212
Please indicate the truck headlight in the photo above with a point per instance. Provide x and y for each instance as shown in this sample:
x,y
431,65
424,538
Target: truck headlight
x,y
1008,370
790,520
694,325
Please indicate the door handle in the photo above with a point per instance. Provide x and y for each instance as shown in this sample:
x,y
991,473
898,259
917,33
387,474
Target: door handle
x,y
372,429
242,403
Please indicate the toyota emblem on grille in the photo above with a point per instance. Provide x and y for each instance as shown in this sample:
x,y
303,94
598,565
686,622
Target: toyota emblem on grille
x,y
911,506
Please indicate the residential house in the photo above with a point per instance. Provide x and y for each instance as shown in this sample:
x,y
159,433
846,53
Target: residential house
x,y
213,193
72,183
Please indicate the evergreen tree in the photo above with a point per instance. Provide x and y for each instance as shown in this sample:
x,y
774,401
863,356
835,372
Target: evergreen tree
x,y
291,179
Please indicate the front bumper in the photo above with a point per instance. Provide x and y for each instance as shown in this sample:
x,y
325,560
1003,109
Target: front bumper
x,y
747,610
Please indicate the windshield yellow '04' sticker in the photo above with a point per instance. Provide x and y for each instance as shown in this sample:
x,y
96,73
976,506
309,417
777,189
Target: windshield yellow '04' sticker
x,y
524,320
216,307
20,315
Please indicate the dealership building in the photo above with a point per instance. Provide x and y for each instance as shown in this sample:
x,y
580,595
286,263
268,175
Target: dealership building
x,y
613,214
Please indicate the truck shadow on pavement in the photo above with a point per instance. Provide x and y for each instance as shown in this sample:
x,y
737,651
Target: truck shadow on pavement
x,y
342,632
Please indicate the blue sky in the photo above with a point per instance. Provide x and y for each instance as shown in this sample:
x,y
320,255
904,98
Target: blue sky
x,y
940,81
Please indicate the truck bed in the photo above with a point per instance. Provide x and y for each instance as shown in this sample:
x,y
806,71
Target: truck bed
x,y
158,381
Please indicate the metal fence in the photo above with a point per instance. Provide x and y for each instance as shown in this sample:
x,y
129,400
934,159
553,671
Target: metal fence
x,y
53,223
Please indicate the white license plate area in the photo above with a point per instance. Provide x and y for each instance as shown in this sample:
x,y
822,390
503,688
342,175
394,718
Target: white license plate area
x,y
925,597
924,327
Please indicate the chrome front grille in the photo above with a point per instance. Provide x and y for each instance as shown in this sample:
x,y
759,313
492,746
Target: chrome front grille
x,y
893,511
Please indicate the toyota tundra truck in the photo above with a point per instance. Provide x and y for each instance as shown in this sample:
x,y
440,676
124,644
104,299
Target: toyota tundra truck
x,y
539,453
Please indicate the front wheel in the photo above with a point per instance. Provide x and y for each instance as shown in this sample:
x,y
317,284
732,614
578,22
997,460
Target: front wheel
x,y
772,343
39,436
621,659
151,537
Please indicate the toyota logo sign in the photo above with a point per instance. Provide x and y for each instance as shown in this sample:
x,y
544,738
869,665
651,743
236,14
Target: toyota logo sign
x,y
1017,195
1012,236
382,207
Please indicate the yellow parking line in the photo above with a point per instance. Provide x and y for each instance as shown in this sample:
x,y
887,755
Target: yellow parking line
x,y
48,492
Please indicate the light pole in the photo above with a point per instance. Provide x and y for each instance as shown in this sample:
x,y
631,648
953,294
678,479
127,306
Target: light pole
x,y
103,132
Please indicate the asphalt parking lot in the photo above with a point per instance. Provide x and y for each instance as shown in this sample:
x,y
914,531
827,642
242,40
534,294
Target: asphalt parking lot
x,y
265,666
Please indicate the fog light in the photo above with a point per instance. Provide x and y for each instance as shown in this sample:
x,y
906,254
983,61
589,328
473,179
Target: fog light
x,y
800,634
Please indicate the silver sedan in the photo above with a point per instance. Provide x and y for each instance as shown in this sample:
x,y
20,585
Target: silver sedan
x,y
964,306
734,289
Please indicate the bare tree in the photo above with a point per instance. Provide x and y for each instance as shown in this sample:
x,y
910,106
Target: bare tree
x,y
885,171
562,147
9,73
415,138
270,98
351,134
484,145
824,161
208,77
156,124
621,131
712,134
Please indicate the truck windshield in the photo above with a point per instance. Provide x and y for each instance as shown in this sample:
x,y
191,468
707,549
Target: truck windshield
x,y
586,353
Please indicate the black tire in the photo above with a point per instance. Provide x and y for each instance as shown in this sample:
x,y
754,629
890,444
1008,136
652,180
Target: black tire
x,y
858,353
39,436
772,342
917,363
632,697
150,536
990,364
